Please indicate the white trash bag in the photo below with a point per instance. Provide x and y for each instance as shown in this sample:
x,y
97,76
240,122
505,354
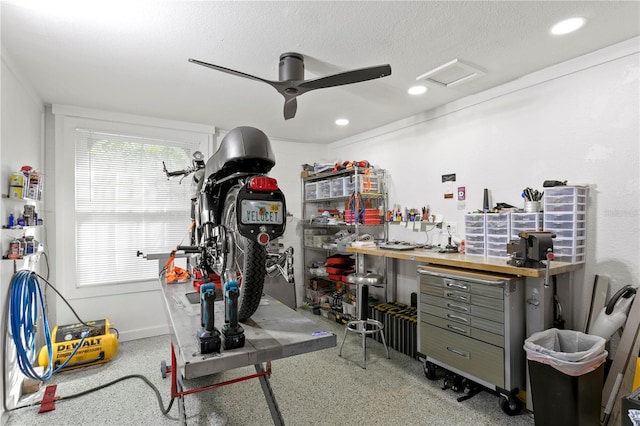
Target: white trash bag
x,y
571,352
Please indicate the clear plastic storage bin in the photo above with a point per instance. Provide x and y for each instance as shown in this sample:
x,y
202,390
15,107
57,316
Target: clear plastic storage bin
x,y
324,189
337,187
349,185
310,191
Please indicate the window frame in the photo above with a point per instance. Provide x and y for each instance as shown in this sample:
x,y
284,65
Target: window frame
x,y
63,244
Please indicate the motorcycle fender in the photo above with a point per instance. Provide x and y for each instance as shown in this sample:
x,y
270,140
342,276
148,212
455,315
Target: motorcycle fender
x,y
259,213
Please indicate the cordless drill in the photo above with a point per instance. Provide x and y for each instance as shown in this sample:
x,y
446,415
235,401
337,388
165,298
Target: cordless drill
x,y
232,332
208,335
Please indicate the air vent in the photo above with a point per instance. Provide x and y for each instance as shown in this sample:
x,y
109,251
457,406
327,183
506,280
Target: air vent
x,y
452,73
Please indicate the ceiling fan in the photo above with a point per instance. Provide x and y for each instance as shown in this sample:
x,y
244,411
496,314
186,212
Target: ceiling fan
x,y
291,82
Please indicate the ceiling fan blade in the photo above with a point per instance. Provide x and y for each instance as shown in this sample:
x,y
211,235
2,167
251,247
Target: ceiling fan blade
x,y
229,71
290,108
347,77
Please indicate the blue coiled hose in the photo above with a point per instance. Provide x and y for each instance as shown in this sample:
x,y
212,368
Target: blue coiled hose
x,y
23,311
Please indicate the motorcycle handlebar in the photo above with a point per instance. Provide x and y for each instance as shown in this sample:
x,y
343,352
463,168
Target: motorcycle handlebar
x,y
189,249
177,172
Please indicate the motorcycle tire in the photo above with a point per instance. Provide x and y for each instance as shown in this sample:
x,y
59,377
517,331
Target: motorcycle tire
x,y
250,261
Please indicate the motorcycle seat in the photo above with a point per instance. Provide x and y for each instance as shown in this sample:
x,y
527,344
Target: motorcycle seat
x,y
244,149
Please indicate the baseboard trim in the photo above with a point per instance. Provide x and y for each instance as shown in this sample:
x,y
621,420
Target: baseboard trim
x,y
143,333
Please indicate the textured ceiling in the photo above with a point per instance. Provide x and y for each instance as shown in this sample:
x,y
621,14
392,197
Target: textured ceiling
x,y
131,56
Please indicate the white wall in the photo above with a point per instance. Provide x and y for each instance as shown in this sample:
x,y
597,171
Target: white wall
x,y
21,139
577,121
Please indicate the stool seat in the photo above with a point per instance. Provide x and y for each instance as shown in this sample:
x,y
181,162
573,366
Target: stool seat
x,y
364,327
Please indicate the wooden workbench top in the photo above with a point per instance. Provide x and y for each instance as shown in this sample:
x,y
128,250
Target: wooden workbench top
x,y
479,263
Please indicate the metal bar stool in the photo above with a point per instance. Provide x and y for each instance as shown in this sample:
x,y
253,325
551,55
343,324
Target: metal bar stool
x,y
364,326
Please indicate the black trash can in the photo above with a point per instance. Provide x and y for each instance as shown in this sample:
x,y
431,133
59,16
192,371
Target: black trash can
x,y
630,412
566,373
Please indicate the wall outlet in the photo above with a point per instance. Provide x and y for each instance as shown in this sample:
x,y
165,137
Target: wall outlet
x,y
450,227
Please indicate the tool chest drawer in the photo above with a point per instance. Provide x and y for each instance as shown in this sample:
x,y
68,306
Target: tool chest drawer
x,y
463,297
459,285
465,330
476,310
479,359
473,324
492,322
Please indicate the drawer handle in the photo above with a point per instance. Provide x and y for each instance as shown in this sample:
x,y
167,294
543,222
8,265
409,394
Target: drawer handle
x,y
458,329
457,307
457,317
457,285
497,282
456,296
457,352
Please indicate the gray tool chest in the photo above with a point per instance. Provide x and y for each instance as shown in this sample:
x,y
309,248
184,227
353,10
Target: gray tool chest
x,y
473,324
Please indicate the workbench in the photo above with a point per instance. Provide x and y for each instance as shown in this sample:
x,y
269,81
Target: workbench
x,y
539,311
539,305
275,331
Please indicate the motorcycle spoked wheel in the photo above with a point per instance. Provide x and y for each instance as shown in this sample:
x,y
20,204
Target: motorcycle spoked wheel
x,y
250,260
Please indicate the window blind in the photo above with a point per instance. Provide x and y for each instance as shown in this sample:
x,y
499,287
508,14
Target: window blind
x,y
124,203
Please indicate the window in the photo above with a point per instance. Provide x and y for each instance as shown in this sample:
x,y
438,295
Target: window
x,y
124,203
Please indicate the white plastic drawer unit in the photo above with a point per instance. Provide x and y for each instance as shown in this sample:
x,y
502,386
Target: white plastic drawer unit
x,y
525,222
472,323
475,234
565,214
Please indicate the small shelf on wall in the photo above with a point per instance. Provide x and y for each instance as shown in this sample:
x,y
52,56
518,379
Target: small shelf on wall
x,y
23,257
20,200
22,228
417,226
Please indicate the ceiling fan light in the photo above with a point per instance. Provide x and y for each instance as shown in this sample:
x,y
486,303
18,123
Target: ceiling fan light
x,y
417,90
567,26
342,122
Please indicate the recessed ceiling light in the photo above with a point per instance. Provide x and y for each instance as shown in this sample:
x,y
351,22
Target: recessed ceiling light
x,y
342,121
567,26
417,90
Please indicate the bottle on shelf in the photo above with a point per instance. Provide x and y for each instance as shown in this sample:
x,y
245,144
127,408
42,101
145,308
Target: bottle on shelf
x,y
16,186
15,249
